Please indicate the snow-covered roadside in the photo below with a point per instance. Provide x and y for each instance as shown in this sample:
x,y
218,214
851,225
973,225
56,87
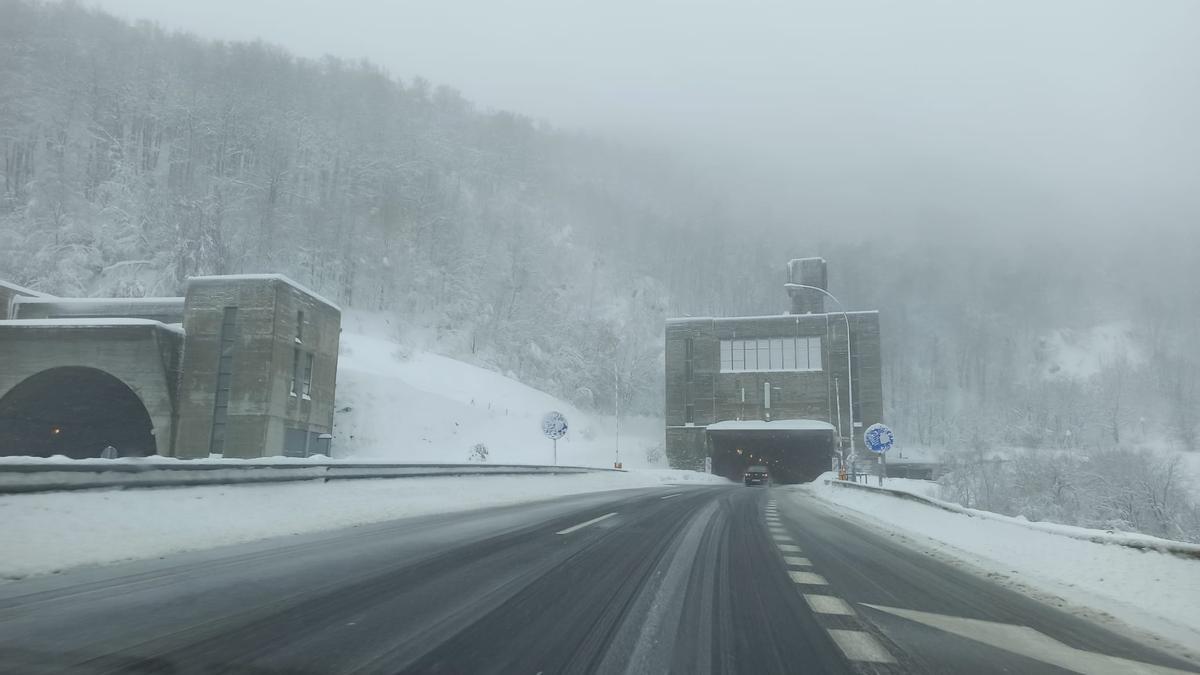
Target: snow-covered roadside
x,y
45,533
1155,592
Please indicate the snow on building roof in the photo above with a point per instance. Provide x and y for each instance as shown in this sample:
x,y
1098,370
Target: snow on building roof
x,y
265,277
106,322
684,319
24,291
773,425
49,299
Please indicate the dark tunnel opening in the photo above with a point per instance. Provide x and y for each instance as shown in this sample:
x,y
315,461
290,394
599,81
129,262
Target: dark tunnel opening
x,y
75,412
790,456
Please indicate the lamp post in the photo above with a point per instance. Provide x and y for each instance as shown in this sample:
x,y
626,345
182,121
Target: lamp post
x,y
849,368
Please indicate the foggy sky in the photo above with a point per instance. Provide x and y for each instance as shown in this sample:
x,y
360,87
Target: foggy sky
x,y
1015,112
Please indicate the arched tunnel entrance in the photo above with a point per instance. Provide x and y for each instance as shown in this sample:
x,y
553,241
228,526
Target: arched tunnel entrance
x,y
794,451
76,412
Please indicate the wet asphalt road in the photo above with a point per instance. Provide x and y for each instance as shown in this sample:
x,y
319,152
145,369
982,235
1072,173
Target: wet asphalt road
x,y
683,580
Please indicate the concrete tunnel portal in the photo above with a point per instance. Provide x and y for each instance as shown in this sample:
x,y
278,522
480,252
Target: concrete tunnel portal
x,y
74,411
794,451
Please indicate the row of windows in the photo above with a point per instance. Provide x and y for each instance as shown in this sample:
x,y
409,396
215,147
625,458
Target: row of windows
x,y
795,353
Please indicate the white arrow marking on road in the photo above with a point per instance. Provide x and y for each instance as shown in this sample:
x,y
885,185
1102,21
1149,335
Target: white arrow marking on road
x,y
1029,643
584,524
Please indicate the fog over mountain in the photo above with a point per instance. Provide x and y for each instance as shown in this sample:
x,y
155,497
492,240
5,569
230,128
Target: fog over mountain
x,y
1006,182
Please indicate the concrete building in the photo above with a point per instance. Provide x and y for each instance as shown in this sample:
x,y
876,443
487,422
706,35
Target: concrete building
x,y
241,366
773,390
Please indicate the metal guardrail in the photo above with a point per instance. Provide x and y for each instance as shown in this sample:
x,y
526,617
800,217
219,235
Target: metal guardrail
x,y
20,478
1182,549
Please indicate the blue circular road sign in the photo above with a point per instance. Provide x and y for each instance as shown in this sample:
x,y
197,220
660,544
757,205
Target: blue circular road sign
x,y
879,438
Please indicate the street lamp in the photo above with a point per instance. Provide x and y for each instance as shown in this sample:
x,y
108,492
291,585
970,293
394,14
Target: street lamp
x,y
849,369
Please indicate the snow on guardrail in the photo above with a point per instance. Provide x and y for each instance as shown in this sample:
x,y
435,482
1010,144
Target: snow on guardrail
x,y
26,475
1128,539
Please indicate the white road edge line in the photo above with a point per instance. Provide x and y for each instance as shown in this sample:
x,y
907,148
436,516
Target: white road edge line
x,y
584,524
671,495
860,645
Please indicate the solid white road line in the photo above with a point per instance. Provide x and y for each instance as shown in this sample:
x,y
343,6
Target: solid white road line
x,y
828,604
584,524
797,561
807,578
789,548
671,495
860,645
1029,643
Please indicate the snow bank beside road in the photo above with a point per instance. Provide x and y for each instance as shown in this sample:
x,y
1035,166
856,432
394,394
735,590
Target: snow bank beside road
x,y
44,533
1156,592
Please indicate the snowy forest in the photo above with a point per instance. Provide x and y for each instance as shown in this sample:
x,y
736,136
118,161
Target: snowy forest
x,y
134,157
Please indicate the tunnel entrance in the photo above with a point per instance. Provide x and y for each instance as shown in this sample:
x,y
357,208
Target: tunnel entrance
x,y
75,412
794,451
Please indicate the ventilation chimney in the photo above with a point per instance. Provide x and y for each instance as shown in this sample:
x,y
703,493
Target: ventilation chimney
x,y
809,272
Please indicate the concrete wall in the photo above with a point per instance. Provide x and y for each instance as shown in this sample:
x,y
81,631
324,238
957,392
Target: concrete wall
x,y
717,396
262,406
141,356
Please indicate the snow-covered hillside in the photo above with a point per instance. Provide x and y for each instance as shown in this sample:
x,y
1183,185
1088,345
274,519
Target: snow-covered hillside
x,y
403,404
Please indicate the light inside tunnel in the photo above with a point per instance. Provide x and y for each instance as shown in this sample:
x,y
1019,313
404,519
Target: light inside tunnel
x,y
76,412
791,456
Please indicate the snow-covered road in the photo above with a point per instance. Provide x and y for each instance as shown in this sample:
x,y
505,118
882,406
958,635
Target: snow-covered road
x,y
44,533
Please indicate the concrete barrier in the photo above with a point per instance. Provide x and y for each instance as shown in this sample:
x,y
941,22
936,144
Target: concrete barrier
x,y
1126,539
18,478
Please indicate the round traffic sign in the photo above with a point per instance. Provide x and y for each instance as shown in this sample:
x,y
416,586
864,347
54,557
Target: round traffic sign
x,y
554,425
879,438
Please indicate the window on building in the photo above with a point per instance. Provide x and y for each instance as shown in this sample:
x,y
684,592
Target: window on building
x,y
688,356
229,335
308,370
295,390
299,327
689,413
799,354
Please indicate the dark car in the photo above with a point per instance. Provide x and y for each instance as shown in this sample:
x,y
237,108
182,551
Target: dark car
x,y
757,475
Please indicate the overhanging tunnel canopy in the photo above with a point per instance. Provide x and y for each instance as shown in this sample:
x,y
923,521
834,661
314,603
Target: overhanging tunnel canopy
x,y
794,451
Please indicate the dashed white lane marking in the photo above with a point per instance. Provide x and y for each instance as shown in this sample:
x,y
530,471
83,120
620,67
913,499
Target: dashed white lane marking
x,y
776,530
781,538
807,578
789,548
671,495
797,561
584,524
860,645
828,604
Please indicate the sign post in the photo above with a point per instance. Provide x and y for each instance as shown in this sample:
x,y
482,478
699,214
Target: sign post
x,y
879,440
554,426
